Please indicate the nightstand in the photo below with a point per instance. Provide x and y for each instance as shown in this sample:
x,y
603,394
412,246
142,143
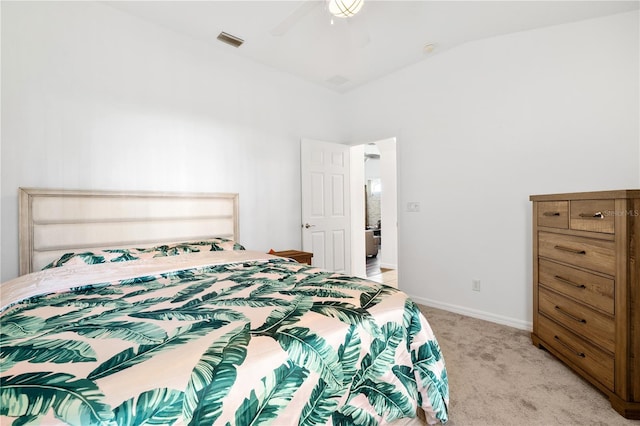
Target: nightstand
x,y
297,255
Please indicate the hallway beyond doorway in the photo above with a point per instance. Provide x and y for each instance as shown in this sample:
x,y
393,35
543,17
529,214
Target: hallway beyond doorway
x,y
381,275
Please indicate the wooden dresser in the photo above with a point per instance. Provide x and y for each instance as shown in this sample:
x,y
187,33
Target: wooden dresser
x,y
586,292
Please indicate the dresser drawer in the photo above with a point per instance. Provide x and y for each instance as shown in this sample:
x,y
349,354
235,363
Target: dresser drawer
x,y
590,253
597,363
591,289
593,326
593,215
554,214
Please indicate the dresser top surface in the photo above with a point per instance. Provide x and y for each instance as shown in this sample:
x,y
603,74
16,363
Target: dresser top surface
x,y
596,195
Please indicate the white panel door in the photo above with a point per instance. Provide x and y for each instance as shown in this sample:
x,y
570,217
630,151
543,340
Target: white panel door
x,y
325,204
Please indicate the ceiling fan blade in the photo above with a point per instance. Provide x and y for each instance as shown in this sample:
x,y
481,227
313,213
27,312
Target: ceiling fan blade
x,y
298,13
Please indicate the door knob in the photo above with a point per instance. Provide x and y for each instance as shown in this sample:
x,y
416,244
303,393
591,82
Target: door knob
x,y
307,226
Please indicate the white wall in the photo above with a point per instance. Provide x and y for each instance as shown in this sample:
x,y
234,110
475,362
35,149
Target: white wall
x,y
483,126
95,99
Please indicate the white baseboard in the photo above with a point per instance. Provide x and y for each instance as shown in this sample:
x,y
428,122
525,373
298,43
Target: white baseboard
x,y
487,316
388,266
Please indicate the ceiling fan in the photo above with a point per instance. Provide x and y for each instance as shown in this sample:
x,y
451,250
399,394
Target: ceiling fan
x,y
335,8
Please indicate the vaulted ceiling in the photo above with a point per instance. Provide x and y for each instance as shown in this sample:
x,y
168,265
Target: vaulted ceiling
x,y
302,38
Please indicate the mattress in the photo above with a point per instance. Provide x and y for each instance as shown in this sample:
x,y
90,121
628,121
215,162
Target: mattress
x,y
213,337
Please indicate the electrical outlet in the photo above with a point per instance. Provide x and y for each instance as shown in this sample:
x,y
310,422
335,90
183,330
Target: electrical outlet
x,y
475,285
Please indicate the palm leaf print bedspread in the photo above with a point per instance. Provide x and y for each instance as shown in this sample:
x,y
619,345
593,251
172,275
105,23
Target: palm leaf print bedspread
x,y
246,343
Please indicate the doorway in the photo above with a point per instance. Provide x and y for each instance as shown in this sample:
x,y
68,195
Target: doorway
x,y
335,232
374,211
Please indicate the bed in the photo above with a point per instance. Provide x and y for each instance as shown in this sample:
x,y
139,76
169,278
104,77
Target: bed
x,y
143,308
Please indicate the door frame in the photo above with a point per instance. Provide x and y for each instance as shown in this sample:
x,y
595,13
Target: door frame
x,y
389,209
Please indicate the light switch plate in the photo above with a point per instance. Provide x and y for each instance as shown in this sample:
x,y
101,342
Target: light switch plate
x,y
413,206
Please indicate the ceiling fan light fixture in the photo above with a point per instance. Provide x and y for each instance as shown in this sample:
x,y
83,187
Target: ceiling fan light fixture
x,y
345,8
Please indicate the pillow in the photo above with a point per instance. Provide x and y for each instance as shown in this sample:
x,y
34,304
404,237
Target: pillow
x,y
123,255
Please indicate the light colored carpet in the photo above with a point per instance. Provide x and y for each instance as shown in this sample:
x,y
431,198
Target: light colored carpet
x,y
497,377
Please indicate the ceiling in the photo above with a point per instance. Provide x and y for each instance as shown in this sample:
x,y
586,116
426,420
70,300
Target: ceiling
x,y
298,37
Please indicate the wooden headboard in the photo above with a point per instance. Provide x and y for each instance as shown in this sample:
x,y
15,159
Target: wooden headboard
x,y
54,222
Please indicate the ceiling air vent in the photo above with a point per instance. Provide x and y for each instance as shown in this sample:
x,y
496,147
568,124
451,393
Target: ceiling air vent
x,y
230,39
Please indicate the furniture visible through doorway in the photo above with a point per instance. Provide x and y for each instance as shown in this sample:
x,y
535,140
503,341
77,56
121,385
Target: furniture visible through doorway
x,y
372,243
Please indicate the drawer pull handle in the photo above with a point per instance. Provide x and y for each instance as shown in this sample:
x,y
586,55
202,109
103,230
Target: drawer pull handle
x,y
551,214
566,281
570,250
580,354
573,317
596,215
